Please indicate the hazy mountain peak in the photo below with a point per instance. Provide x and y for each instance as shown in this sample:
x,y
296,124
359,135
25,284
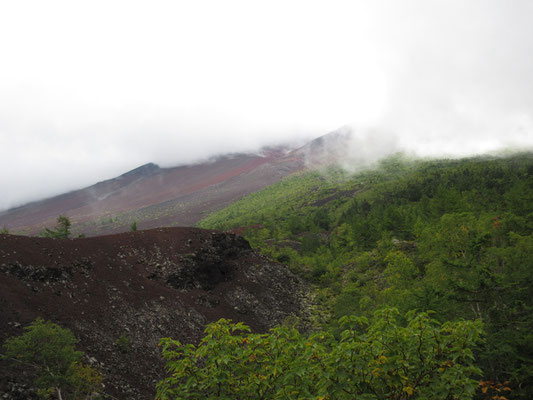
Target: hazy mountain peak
x,y
143,170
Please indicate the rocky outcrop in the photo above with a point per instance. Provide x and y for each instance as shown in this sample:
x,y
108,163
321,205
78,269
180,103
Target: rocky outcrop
x,y
140,286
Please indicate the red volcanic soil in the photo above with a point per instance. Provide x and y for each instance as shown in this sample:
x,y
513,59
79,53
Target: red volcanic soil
x,y
154,196
144,285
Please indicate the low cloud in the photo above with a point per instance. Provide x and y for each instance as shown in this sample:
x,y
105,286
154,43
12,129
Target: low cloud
x,y
177,83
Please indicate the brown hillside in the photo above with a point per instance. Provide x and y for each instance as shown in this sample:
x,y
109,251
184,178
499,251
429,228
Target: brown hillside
x,y
154,196
145,285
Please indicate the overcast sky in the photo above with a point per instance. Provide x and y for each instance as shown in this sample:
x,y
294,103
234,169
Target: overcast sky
x,y
89,90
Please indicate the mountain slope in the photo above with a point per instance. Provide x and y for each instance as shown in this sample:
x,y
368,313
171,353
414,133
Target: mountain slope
x,y
454,237
155,196
141,285
152,196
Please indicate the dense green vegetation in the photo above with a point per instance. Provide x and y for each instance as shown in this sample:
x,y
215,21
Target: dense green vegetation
x,y
451,236
383,360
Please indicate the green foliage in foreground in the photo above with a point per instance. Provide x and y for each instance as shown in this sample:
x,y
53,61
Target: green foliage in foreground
x,y
48,350
453,236
383,359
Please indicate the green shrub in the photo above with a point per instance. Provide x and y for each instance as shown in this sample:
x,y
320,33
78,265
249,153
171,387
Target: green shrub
x,y
383,359
124,343
48,350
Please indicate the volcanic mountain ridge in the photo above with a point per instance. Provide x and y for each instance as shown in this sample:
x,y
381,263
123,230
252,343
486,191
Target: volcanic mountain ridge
x,y
152,196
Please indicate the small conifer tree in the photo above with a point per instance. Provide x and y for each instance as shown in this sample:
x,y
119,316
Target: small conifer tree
x,y
62,229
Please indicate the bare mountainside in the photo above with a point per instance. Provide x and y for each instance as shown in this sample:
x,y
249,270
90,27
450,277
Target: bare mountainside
x,y
143,286
152,196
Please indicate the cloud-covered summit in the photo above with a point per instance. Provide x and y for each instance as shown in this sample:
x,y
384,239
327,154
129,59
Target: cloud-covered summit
x,y
90,90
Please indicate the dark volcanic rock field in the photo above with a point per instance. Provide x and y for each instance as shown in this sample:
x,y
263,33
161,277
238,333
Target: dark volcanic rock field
x,y
142,285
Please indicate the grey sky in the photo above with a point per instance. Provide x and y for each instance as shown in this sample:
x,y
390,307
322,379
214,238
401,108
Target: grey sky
x,y
89,90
